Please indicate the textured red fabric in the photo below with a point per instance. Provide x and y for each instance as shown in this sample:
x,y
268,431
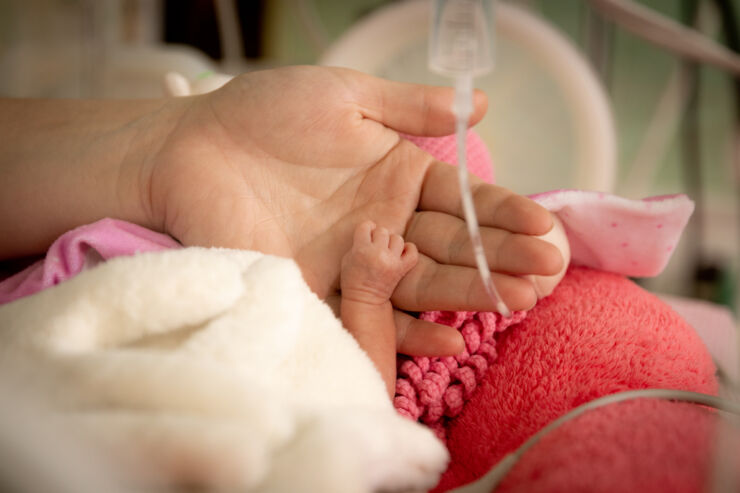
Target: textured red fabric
x,y
644,445
597,334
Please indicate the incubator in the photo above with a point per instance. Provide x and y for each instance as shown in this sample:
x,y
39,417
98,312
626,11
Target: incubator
x,y
461,49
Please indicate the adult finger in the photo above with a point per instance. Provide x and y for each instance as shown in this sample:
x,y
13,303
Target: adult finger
x,y
411,108
434,286
495,206
421,338
445,239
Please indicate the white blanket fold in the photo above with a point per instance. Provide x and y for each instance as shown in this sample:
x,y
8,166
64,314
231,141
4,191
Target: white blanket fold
x,y
215,367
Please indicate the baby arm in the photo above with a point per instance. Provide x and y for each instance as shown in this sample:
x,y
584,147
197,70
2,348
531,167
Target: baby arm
x,y
370,272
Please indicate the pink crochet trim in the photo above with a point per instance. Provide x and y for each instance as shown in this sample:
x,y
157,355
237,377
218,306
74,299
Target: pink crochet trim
x,y
435,389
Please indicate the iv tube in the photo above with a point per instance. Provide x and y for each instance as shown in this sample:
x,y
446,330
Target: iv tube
x,y
460,47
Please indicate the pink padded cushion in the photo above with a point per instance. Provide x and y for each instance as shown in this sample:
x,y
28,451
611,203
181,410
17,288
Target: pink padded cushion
x,y
598,333
445,149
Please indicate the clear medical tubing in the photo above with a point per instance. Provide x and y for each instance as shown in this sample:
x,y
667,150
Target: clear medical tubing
x,y
460,46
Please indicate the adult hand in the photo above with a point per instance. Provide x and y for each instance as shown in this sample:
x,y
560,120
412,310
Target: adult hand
x,y
289,161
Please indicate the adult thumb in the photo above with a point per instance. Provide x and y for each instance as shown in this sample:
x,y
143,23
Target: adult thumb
x,y
414,109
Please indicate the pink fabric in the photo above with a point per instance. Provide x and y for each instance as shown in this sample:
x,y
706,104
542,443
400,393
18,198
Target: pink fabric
x,y
445,149
434,390
630,237
80,248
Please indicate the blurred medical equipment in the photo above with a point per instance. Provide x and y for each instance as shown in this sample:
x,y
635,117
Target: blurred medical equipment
x,y
460,46
549,107
102,49
668,34
712,278
710,256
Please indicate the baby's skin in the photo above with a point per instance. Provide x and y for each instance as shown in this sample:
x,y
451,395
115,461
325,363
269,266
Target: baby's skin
x,y
370,272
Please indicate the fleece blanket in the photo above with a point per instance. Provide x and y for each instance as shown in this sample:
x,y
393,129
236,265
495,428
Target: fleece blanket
x,y
220,367
595,335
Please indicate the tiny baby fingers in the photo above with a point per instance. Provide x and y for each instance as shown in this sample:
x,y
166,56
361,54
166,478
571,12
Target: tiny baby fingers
x,y
409,256
410,251
363,232
495,206
396,244
381,237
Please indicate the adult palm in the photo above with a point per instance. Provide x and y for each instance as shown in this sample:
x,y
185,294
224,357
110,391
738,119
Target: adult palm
x,y
289,161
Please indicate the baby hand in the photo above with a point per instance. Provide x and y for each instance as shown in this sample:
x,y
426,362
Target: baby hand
x,y
375,263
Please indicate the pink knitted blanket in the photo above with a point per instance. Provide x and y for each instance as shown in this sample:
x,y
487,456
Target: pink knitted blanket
x,y
434,390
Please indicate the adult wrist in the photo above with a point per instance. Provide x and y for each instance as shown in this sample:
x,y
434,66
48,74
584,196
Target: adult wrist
x,y
65,163
148,141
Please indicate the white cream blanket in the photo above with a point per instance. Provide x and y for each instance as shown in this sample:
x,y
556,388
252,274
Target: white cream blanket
x,y
214,366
